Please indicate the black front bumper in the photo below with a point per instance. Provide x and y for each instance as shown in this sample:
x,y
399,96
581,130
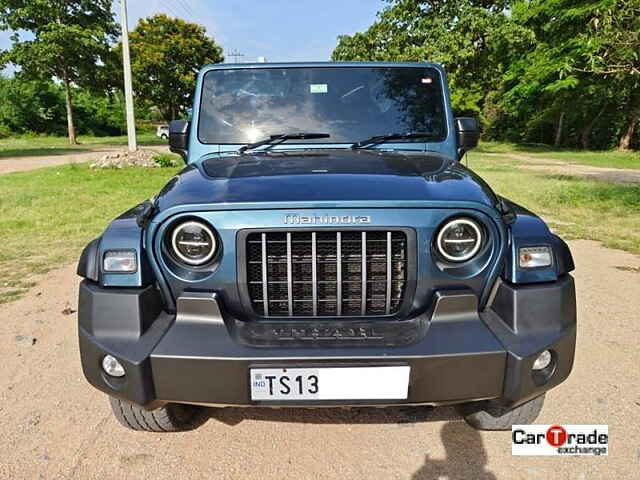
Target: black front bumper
x,y
203,356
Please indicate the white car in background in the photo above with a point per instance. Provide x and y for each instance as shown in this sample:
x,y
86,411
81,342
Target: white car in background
x,y
163,132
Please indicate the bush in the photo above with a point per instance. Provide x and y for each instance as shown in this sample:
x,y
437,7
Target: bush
x,y
32,106
166,160
39,107
99,115
5,131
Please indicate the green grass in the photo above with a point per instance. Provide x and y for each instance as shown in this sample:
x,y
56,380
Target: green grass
x,y
168,160
48,215
573,206
605,158
45,145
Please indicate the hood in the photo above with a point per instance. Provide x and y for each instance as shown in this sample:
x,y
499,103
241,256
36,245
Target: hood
x,y
324,176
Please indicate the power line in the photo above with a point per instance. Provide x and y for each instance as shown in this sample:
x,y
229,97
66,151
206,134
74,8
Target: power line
x,y
189,14
169,9
235,54
183,9
187,8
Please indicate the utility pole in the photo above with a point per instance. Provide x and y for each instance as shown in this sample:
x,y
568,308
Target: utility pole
x,y
128,89
236,55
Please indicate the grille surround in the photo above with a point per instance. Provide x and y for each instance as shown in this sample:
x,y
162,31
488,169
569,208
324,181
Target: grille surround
x,y
314,291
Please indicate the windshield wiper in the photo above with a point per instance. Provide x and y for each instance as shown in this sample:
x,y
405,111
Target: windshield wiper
x,y
282,137
369,142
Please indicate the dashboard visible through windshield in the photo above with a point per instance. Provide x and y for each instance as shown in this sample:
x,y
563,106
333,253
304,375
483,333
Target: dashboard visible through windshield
x,y
349,103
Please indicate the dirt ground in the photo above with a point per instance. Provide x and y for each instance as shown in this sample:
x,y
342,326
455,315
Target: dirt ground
x,y
55,426
543,165
22,164
558,167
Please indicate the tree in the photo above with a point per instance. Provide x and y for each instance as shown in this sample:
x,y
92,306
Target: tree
x,y
31,106
562,72
473,39
38,106
166,54
612,50
585,63
70,39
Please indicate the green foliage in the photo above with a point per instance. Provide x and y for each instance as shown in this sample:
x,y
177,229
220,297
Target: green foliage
x,y
167,160
100,115
472,39
38,106
166,54
549,71
5,131
612,42
551,94
31,106
70,38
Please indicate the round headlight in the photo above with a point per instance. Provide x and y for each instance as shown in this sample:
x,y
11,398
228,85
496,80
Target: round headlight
x,y
193,242
459,239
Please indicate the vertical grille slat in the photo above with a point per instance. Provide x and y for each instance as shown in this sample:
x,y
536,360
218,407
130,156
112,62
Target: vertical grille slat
x,y
339,273
265,282
289,276
314,275
326,273
363,274
387,301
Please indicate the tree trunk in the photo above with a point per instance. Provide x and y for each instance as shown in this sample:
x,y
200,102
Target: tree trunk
x,y
627,138
69,101
558,139
586,131
167,113
626,141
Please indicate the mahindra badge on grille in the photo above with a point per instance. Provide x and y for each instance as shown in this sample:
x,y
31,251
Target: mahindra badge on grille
x,y
293,219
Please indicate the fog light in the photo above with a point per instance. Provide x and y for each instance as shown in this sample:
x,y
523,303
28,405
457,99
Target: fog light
x,y
543,360
112,366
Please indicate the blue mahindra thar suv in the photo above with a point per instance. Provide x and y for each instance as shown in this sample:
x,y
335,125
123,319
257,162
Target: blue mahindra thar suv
x,y
324,246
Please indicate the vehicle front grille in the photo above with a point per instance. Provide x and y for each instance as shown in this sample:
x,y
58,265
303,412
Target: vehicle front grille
x,y
326,273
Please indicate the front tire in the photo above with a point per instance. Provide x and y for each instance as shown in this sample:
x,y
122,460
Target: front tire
x,y
172,417
499,418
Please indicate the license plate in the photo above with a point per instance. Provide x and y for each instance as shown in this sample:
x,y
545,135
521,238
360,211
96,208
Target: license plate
x,y
339,383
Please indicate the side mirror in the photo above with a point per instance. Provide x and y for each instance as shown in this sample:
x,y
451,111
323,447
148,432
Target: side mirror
x,y
467,134
179,137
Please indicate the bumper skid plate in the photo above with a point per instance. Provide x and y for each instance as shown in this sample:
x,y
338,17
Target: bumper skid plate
x,y
451,353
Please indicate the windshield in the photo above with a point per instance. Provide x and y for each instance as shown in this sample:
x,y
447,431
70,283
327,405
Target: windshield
x,y
348,103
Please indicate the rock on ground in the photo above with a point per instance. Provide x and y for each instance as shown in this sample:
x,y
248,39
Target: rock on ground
x,y
123,159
